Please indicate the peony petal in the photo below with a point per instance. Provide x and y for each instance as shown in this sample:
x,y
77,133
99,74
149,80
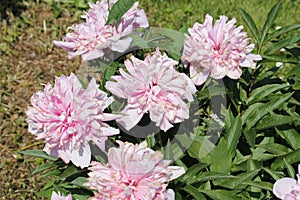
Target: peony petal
x,y
120,45
130,118
283,186
81,156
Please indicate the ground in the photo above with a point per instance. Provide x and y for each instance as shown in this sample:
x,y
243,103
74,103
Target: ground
x,y
26,63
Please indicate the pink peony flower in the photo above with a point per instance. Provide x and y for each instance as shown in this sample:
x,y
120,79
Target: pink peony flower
x,y
288,188
67,117
133,172
56,196
217,51
153,86
92,36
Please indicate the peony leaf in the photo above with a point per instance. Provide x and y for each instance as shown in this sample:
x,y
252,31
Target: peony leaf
x,y
292,157
118,10
194,192
256,111
236,181
273,120
290,168
233,134
39,153
260,184
208,176
281,31
193,171
285,58
281,44
221,194
261,92
250,23
221,158
43,167
291,136
270,20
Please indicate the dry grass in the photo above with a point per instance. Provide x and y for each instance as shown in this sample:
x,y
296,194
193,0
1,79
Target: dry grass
x,y
28,59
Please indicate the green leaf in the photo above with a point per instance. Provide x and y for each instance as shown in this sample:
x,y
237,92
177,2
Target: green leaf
x,y
79,181
71,170
250,136
233,134
193,171
291,136
138,41
281,44
293,157
260,184
258,112
290,168
194,192
45,193
200,147
38,153
51,173
80,196
221,158
177,39
285,58
178,196
56,9
263,156
236,181
275,175
261,92
49,184
275,148
208,176
250,111
273,120
43,167
281,31
270,20
118,10
250,23
221,194
111,70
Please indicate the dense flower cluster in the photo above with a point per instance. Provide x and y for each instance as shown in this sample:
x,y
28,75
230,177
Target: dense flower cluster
x,y
68,117
91,37
133,172
217,51
152,85
288,188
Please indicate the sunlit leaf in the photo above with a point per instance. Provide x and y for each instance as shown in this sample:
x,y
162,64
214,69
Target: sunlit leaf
x,y
38,153
118,10
270,19
250,23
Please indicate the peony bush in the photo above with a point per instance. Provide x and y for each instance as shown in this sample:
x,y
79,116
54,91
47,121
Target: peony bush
x,y
199,113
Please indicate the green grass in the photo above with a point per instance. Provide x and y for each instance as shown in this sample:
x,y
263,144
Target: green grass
x,y
176,13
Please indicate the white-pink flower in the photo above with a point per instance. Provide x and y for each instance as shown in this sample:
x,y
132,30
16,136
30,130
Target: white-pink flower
x,y
288,188
217,50
58,196
152,85
91,37
133,172
68,117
